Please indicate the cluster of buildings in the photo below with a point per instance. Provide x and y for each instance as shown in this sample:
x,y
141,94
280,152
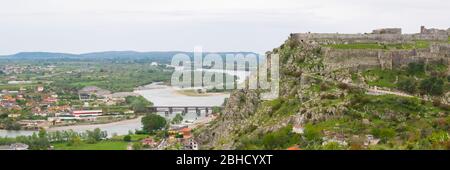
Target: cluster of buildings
x,y
36,99
18,69
182,134
179,135
44,105
14,146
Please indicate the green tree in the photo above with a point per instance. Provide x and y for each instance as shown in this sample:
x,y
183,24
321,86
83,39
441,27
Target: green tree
x,y
74,141
152,122
177,119
433,86
127,138
11,125
416,68
38,141
408,85
95,136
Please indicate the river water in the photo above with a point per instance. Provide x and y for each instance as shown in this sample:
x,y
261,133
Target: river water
x,y
160,95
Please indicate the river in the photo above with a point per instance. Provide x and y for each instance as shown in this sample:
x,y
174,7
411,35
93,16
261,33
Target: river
x,y
160,95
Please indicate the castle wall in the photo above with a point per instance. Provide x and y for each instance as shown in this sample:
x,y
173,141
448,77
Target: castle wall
x,y
335,38
365,58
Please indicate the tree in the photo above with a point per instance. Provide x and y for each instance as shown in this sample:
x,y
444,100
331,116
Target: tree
x,y
416,68
177,119
74,141
11,125
38,141
152,122
433,86
408,85
127,138
95,136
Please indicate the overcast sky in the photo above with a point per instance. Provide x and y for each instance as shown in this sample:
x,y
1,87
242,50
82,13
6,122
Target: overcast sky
x,y
79,26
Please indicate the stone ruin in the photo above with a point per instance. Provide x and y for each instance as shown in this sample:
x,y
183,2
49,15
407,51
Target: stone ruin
x,y
386,35
439,49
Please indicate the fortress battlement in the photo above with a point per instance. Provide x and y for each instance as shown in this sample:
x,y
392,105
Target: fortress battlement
x,y
385,35
438,49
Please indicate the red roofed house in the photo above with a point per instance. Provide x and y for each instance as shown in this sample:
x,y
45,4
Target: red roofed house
x,y
186,132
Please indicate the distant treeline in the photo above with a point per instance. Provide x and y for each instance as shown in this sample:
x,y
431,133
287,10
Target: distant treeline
x,y
124,56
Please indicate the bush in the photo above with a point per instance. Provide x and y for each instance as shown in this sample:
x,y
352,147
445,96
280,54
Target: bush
x,y
280,139
383,133
127,138
137,146
312,133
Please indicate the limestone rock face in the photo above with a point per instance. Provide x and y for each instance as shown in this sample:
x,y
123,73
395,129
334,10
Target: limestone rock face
x,y
240,105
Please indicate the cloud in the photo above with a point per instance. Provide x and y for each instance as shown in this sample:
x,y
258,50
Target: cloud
x,y
219,25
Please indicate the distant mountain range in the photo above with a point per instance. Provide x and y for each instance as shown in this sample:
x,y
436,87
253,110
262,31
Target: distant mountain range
x,y
158,56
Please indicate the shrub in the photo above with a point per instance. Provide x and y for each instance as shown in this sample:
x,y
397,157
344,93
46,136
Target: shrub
x,y
127,138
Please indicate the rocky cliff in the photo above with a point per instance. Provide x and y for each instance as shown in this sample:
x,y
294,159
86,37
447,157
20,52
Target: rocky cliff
x,y
314,91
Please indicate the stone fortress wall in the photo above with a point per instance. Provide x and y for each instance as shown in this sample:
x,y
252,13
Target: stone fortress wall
x,y
362,58
386,35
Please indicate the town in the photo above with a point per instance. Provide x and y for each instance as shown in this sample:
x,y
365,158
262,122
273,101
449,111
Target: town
x,y
47,94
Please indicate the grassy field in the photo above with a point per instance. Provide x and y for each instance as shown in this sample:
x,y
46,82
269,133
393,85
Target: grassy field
x,y
103,145
382,78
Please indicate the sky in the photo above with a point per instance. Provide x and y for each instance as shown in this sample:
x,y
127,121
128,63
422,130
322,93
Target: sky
x,y
81,26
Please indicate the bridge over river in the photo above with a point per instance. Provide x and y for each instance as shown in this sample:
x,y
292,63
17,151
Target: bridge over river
x,y
183,109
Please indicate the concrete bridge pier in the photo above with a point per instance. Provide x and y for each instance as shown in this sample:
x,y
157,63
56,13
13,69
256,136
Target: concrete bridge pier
x,y
185,111
166,113
197,110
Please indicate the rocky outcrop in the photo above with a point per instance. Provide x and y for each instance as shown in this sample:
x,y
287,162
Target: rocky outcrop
x,y
314,85
241,105
245,114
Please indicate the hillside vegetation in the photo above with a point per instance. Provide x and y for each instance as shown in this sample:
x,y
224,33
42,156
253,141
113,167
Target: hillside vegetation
x,y
317,111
